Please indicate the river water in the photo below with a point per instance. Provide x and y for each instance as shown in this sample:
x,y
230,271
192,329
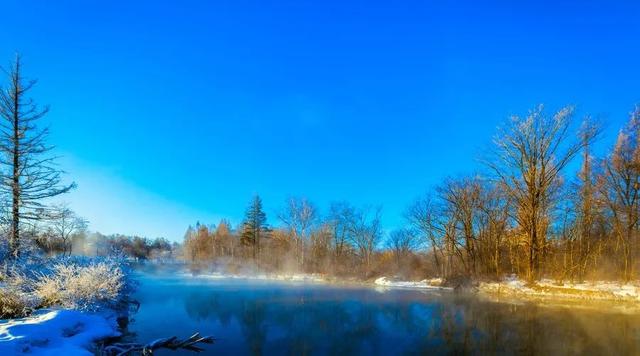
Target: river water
x,y
253,317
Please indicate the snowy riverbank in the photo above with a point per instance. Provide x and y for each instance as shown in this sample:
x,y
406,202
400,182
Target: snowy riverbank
x,y
435,283
549,289
512,287
56,332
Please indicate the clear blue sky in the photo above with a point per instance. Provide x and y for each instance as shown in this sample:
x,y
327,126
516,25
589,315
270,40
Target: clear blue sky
x,y
169,112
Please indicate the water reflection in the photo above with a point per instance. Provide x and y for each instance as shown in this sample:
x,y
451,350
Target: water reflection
x,y
262,318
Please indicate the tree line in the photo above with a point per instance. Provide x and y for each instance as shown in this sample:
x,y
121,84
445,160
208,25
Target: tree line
x,y
343,241
540,204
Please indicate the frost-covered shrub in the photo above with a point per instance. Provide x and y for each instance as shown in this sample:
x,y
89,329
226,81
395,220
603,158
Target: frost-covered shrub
x,y
81,286
81,283
14,304
15,300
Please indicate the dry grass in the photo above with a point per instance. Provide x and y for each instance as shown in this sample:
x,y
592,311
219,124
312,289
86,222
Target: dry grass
x,y
13,304
70,284
80,287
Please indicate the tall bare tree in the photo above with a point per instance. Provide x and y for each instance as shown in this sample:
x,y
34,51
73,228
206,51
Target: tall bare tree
x,y
299,216
422,216
462,198
340,217
30,175
587,203
531,154
366,230
621,190
493,225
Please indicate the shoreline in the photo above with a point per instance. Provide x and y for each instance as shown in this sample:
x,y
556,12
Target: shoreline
x,y
379,283
545,289
508,290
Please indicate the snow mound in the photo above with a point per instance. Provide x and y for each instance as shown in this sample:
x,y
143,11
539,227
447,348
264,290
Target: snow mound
x,y
424,284
55,332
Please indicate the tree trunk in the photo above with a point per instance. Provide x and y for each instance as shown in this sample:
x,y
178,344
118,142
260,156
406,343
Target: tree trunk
x,y
15,213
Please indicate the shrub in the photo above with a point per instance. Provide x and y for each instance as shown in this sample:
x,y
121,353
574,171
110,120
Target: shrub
x,y
15,300
13,303
82,287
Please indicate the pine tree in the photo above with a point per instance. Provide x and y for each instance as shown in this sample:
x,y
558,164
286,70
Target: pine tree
x,y
254,226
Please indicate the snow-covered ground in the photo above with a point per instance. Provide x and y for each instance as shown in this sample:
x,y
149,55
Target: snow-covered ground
x,y
424,284
55,332
596,290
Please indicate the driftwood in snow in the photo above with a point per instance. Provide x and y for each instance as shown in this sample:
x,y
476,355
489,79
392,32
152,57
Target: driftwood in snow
x,y
172,343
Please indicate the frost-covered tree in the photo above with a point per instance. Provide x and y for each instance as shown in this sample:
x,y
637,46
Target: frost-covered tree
x,y
29,173
530,156
621,191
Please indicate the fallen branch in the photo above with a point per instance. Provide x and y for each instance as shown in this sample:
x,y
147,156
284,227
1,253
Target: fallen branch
x,y
172,343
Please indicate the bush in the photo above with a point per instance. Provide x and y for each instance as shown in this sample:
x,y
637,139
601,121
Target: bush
x,y
15,300
82,287
79,283
13,303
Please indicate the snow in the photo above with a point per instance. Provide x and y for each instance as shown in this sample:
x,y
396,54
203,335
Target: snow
x,y
55,332
424,284
594,290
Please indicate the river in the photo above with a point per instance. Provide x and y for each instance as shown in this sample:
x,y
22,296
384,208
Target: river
x,y
253,317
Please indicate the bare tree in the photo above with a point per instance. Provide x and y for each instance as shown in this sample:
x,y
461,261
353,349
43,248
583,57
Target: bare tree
x,y
621,190
493,226
366,230
64,223
462,199
531,154
402,243
422,215
586,210
31,174
299,216
341,215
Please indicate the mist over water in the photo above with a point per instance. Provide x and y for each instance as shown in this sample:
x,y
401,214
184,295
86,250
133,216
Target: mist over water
x,y
283,318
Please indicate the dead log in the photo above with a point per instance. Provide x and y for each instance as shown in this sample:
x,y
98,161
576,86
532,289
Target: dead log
x,y
171,343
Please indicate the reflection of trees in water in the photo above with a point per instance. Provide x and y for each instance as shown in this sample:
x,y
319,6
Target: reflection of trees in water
x,y
470,325
292,323
298,321
253,318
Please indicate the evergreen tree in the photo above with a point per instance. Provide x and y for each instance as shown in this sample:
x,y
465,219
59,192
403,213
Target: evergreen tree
x,y
254,226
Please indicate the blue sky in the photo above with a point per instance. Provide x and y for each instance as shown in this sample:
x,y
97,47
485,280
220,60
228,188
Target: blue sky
x,y
171,112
